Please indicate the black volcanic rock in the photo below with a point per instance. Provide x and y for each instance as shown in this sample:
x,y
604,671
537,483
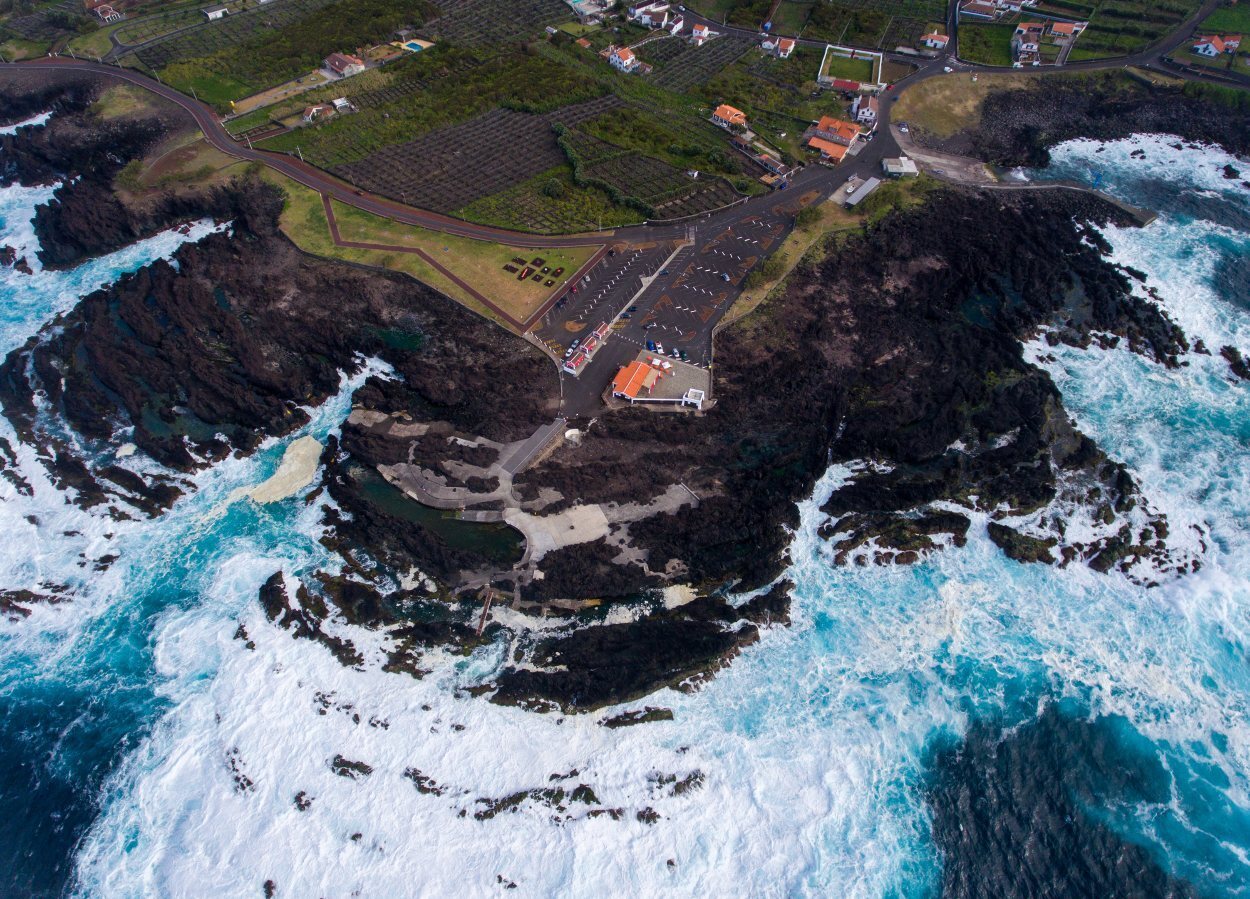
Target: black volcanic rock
x,y
1017,127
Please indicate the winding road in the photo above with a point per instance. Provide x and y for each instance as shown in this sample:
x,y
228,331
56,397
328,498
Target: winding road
x,y
814,177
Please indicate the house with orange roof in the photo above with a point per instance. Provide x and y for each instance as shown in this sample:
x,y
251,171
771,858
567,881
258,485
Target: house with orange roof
x,y
935,41
832,137
785,46
635,381
1212,45
728,117
1066,31
344,65
623,59
699,34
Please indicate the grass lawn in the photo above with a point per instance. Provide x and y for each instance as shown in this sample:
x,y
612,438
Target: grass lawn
x,y
209,87
16,48
121,100
850,69
94,43
987,44
477,262
791,16
1228,20
944,106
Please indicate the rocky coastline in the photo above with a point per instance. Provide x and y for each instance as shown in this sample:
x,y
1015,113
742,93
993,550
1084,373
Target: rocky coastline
x,y
899,354
1017,127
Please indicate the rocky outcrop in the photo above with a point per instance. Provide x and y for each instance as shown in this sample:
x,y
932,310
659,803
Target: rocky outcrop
x,y
1017,127
592,667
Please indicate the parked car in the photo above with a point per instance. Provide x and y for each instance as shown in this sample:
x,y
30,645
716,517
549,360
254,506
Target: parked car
x,y
632,309
663,271
724,276
673,352
659,348
684,357
650,346
902,126
626,315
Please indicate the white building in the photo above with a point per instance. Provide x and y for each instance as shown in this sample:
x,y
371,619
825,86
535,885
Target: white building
x,y
623,59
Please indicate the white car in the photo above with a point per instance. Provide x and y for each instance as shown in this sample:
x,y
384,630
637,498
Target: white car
x,y
947,69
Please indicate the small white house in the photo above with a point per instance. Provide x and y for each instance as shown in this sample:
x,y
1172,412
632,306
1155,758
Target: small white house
x,y
699,34
623,59
935,41
215,12
865,109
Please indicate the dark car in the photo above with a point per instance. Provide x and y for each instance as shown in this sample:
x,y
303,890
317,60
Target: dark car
x,y
650,346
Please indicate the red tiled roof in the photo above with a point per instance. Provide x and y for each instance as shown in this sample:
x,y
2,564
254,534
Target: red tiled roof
x,y
828,148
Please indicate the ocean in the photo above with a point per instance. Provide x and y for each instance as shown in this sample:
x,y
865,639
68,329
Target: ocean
x,y
162,738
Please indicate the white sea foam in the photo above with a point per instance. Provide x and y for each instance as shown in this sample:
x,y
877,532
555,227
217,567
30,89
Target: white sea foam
x,y
812,744
32,122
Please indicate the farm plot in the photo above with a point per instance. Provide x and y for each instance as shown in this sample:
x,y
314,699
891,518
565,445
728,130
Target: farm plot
x,y
209,38
1121,27
259,58
140,31
487,22
653,186
488,154
515,80
665,191
872,23
50,23
691,65
551,203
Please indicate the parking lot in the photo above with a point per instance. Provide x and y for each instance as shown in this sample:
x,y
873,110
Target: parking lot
x,y
663,297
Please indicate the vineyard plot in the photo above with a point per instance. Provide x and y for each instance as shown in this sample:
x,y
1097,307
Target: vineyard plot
x,y
212,37
485,22
455,166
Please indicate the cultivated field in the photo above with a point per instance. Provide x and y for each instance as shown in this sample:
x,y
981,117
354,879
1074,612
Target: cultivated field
x,y
452,167
1119,27
494,22
881,24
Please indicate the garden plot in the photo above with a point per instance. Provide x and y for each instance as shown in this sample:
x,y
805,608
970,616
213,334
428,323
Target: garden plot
x,y
881,24
551,203
691,66
489,22
657,189
452,167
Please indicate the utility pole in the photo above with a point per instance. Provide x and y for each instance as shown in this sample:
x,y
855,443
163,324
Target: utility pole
x,y
195,95
249,141
298,153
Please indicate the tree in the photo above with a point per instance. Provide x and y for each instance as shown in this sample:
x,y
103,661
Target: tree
x,y
553,189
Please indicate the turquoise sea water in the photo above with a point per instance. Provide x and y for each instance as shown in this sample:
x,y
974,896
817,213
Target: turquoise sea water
x,y
148,751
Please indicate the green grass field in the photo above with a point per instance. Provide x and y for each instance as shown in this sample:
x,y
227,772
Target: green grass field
x,y
851,69
1233,19
986,44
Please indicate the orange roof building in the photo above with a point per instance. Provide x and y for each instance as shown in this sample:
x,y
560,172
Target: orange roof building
x,y
828,149
726,115
633,379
